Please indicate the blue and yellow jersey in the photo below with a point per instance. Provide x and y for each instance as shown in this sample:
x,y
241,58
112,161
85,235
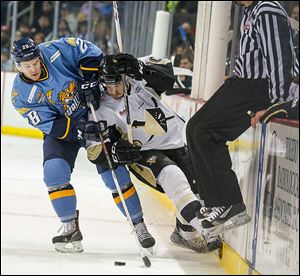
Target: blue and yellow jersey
x,y
52,103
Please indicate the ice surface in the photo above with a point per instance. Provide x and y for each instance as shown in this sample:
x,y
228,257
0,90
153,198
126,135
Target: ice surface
x,y
28,224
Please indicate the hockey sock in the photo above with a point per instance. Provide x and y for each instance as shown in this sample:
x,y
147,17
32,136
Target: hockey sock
x,y
132,202
64,201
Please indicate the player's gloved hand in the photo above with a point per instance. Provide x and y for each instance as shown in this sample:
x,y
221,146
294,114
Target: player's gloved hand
x,y
278,110
89,91
125,153
129,65
89,130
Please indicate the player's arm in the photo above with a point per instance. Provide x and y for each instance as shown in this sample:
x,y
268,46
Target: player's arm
x,y
158,73
88,56
275,35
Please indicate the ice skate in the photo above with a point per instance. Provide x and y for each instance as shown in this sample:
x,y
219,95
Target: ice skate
x,y
145,238
222,219
69,238
213,242
196,243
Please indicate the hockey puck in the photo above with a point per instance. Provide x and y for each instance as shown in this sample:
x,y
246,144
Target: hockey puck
x,y
120,263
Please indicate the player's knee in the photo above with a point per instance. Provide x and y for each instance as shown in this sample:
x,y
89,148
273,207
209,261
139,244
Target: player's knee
x,y
57,172
173,181
122,175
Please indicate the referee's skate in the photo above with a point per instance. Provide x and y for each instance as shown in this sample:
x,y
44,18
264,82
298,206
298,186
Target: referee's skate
x,y
222,219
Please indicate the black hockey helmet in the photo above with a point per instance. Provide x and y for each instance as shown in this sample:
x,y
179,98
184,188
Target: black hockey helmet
x,y
25,50
109,70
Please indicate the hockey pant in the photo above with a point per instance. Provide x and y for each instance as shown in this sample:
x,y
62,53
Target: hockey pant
x,y
170,172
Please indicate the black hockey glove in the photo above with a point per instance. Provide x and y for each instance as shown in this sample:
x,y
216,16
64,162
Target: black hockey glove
x,y
283,110
129,65
89,91
125,153
89,130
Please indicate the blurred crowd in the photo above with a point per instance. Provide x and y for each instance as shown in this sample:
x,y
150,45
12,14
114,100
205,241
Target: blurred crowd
x,y
73,22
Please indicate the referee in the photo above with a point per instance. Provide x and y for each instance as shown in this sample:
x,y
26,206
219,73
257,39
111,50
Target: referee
x,y
264,71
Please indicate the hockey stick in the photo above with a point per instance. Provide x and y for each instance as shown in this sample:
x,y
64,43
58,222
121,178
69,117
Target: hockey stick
x,y
120,45
109,162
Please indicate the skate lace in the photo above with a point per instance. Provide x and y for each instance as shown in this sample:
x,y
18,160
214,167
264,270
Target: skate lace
x,y
67,227
204,210
142,231
216,212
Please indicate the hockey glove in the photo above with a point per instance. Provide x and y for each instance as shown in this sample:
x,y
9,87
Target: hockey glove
x,y
129,65
125,153
283,110
89,130
89,91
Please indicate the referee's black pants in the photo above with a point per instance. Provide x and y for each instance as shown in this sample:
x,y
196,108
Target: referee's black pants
x,y
223,118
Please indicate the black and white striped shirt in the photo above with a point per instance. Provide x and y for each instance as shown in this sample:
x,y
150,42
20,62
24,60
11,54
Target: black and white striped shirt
x,y
267,48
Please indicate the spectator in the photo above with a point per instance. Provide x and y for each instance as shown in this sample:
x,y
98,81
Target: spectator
x,y
63,28
186,62
189,33
25,29
6,62
18,35
69,17
179,51
295,13
44,26
102,35
39,38
46,9
82,29
5,37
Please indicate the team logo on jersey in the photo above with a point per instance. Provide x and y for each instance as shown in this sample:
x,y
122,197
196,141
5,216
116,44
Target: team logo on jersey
x,y
67,94
13,95
49,96
123,113
151,160
40,97
71,41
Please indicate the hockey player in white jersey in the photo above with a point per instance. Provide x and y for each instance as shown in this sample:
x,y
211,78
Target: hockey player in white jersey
x,y
158,155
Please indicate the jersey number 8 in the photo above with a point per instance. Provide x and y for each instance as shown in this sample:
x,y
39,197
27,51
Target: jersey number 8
x,y
34,118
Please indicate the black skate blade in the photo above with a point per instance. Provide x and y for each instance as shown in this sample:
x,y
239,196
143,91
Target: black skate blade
x,y
71,247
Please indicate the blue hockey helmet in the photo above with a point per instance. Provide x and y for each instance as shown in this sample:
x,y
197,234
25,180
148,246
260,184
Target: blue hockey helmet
x,y
109,70
25,50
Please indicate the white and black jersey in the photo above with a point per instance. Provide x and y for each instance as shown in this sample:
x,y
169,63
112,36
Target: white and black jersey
x,y
267,48
154,124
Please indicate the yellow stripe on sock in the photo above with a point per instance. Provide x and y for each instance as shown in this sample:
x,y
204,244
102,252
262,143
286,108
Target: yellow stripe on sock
x,y
63,193
126,195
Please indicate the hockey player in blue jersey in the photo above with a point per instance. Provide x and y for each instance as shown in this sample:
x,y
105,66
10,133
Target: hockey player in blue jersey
x,y
56,80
